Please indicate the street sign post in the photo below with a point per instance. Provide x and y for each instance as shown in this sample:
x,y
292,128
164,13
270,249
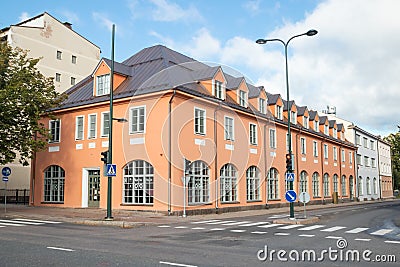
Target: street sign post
x,y
6,171
111,170
290,196
304,197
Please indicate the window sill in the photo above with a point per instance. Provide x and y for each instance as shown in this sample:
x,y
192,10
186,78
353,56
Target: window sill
x,y
275,199
51,202
136,204
199,204
251,201
230,202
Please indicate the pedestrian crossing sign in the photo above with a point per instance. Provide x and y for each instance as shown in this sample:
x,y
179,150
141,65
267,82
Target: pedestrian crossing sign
x,y
111,170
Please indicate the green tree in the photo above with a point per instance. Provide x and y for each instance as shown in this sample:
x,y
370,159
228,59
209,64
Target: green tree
x,y
394,141
25,96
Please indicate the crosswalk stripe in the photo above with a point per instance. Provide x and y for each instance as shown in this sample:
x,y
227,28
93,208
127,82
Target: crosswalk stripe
x,y
363,239
238,230
270,225
21,222
180,227
205,221
291,226
334,237
217,229
221,222
382,232
357,230
39,221
234,223
258,232
333,229
312,227
252,224
284,234
198,228
11,224
164,226
392,242
304,235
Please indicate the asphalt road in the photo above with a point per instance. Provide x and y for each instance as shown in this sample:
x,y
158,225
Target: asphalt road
x,y
346,236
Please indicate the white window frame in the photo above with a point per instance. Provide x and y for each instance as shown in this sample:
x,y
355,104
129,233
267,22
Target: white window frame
x,y
73,59
79,133
272,138
90,125
315,184
326,129
358,139
335,183
334,132
140,127
138,183
261,105
316,126
58,77
303,182
57,131
253,184
365,142
315,148
279,112
228,183
105,88
199,124
305,122
73,80
242,98
59,55
229,127
199,183
325,185
350,157
103,126
303,146
273,184
253,139
326,151
335,153
293,117
219,89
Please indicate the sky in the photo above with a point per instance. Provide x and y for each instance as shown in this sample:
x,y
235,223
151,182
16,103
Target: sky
x,y
353,63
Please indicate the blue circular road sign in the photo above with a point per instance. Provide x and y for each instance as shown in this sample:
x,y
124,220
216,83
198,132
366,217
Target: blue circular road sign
x,y
6,171
290,196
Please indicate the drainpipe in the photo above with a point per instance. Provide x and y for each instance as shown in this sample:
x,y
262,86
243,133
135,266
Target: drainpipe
x,y
170,150
340,172
265,166
297,159
322,170
379,171
216,155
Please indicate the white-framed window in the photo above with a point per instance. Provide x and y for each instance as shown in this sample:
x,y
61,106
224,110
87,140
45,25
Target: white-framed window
x,y
73,80
279,113
199,121
137,118
199,183
366,161
343,185
219,90
303,182
253,183
372,144
326,129
261,106
365,142
105,124
358,159
335,183
303,145
316,126
374,186
243,98
73,59
272,138
59,55
360,186
368,185
273,184
293,117
92,126
315,148
58,77
335,153
350,157
326,185
253,133
54,180
325,151
287,143
373,163
228,178
79,127
334,132
343,155
305,122
138,183
55,131
103,84
358,139
315,184
229,128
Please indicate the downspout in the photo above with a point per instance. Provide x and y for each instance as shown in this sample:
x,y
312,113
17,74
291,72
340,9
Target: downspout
x,y
340,172
216,155
297,160
322,170
265,166
170,150
379,172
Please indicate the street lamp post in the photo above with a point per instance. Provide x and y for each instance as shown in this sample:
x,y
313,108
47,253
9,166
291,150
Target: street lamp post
x,y
289,106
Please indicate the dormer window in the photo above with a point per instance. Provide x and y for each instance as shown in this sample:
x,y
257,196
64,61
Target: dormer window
x,y
261,103
293,116
243,98
305,122
316,126
334,132
103,85
219,90
279,114
326,129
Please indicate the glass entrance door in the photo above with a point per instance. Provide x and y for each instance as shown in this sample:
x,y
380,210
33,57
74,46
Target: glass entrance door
x,y
94,189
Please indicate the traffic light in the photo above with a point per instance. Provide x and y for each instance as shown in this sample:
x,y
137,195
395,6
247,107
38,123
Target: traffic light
x,y
289,167
104,156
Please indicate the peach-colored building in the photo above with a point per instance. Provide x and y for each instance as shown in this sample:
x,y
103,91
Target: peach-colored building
x,y
185,119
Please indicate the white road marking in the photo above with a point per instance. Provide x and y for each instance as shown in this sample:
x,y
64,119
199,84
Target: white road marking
x,y
312,227
382,232
238,230
277,216
357,230
333,229
221,222
282,234
217,229
206,221
21,222
253,224
258,232
307,235
392,242
290,226
176,264
180,227
11,224
164,226
334,237
363,239
39,221
198,228
234,223
1,226
270,225
62,249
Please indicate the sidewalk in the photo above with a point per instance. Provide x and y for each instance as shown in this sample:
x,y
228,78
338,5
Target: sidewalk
x,y
128,219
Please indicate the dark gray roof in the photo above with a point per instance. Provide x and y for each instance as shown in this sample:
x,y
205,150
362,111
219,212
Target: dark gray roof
x,y
301,110
332,123
312,114
323,119
253,91
118,67
340,127
233,82
273,98
285,104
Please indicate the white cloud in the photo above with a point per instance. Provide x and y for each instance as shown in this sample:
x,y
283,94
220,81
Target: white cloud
x,y
24,16
168,11
253,6
103,20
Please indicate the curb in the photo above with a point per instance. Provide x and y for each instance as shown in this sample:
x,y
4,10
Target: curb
x,y
309,220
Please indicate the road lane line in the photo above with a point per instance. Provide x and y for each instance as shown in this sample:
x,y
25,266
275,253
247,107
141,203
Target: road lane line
x,y
221,222
304,235
382,232
357,230
392,242
252,224
363,239
333,229
11,224
217,229
21,222
62,249
269,225
235,223
176,264
287,227
39,221
283,234
312,227
334,237
180,227
238,230
198,228
164,226
259,232
205,221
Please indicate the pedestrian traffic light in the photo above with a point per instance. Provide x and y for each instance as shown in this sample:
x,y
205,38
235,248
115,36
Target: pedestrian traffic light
x,y
289,167
104,156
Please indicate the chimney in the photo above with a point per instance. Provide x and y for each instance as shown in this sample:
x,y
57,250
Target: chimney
x,y
68,25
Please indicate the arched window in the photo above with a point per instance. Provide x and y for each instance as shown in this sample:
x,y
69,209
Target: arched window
x,y
368,185
343,185
326,185
374,186
199,183
253,183
335,183
360,186
315,184
138,182
228,180
303,181
273,182
54,179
